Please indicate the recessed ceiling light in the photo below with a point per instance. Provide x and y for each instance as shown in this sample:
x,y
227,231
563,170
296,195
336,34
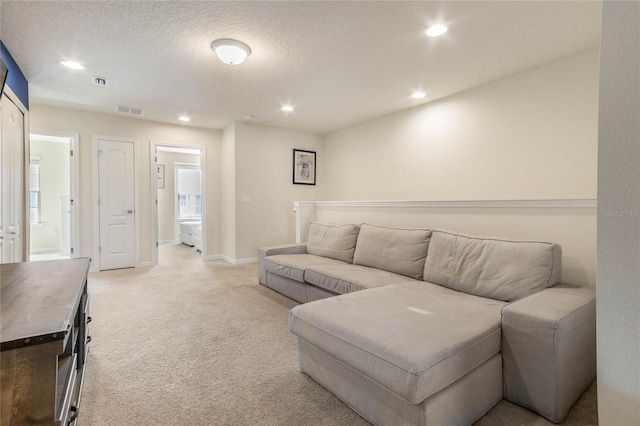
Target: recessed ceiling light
x,y
418,95
436,30
184,118
73,65
229,51
287,108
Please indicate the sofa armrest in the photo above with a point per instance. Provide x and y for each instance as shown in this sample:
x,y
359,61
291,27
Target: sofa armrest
x,y
549,349
273,250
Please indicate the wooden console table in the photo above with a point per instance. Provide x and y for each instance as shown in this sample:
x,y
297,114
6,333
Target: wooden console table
x,y
44,320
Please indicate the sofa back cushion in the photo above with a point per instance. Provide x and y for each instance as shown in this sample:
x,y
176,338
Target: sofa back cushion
x,y
498,269
401,251
333,241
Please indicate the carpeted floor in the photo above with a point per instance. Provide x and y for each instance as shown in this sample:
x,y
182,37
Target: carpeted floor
x,y
192,343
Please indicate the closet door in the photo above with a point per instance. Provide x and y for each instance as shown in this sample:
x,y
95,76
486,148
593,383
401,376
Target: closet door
x,y
12,165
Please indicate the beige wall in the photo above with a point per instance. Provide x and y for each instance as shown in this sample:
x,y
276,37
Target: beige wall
x,y
263,163
529,136
533,135
88,124
618,290
167,197
54,183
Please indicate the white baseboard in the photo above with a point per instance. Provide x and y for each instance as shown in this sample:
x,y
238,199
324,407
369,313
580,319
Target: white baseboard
x,y
245,261
232,260
46,250
168,241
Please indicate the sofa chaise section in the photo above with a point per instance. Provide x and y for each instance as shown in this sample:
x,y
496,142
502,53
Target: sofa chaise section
x,y
410,341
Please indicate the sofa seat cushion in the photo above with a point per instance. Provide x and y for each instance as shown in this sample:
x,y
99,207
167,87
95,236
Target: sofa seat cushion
x,y
348,278
401,251
293,265
491,267
413,339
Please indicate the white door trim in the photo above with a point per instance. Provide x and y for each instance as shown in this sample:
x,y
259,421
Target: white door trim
x,y
154,194
96,192
75,183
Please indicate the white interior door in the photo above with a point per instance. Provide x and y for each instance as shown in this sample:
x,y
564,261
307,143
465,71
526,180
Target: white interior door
x,y
116,204
12,165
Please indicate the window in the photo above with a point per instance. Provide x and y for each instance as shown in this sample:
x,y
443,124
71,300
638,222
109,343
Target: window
x,y
34,190
189,198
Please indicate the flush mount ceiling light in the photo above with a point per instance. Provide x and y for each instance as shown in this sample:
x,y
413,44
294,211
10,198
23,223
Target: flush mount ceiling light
x,y
232,52
184,118
287,108
418,95
73,65
436,30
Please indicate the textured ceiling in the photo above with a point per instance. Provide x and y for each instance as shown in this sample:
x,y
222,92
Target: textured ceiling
x,y
338,63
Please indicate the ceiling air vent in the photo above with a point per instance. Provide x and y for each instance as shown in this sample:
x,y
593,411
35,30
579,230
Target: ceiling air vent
x,y
129,110
99,81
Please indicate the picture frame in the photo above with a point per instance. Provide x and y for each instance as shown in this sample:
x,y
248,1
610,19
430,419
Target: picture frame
x,y
304,167
160,175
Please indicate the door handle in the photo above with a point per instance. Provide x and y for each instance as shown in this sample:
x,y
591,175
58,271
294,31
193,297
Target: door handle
x,y
129,211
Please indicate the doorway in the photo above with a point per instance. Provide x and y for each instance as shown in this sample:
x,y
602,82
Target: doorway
x,y
51,201
178,195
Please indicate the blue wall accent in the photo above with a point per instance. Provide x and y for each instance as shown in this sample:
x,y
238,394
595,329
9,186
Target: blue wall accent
x,y
15,79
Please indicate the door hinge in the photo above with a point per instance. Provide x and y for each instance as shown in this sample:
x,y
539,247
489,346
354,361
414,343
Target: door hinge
x,y
71,250
71,201
156,202
156,159
156,244
71,152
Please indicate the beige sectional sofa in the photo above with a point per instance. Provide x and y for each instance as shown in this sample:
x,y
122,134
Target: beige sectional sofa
x,y
423,327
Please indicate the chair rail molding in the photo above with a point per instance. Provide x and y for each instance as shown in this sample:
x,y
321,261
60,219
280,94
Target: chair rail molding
x,y
306,211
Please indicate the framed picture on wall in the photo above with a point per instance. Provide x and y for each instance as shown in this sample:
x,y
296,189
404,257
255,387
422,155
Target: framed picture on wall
x,y
160,176
304,167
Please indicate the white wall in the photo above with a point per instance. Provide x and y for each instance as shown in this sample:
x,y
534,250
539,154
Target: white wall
x,y
167,197
263,171
228,203
88,124
54,183
529,136
618,290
